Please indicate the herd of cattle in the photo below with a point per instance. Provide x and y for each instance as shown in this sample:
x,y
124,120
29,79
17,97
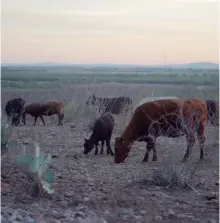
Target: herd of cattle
x,y
166,116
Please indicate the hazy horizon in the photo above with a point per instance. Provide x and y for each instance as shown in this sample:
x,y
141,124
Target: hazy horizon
x,y
114,32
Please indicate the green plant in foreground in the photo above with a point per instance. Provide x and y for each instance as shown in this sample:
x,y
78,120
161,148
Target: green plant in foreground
x,y
7,144
35,164
38,164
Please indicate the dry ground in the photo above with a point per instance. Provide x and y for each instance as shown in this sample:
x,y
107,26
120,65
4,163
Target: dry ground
x,y
118,193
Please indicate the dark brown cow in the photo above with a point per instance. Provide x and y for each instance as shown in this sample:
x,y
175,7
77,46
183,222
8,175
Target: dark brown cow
x,y
111,105
171,118
213,111
14,108
102,131
46,108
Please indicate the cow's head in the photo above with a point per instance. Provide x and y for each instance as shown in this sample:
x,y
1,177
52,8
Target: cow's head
x,y
88,146
121,150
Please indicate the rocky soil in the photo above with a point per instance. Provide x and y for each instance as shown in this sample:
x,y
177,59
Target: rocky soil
x,y
91,188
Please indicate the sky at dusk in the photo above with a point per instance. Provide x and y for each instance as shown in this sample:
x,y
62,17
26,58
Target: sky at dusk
x,y
110,31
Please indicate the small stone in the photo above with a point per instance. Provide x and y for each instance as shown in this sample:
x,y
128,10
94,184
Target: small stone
x,y
64,204
137,218
211,196
56,221
183,216
86,199
68,194
81,209
171,214
29,219
107,212
8,210
79,215
57,214
157,218
34,205
23,213
213,202
143,212
53,156
211,220
69,220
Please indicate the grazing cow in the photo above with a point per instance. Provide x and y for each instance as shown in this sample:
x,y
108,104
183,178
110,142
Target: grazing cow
x,y
14,108
102,131
111,105
169,118
46,108
213,111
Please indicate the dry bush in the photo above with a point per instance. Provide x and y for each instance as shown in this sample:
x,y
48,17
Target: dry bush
x,y
78,111
172,173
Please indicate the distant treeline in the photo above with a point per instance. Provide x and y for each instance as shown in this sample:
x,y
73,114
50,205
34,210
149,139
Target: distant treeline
x,y
29,77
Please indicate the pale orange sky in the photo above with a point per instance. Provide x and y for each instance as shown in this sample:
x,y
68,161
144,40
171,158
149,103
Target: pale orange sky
x,y
110,31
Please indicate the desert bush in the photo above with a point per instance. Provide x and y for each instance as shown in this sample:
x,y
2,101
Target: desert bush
x,y
171,174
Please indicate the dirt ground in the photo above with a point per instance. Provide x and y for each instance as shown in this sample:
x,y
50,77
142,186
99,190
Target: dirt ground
x,y
94,184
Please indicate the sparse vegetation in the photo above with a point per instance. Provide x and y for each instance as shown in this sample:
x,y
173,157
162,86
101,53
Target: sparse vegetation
x,y
110,190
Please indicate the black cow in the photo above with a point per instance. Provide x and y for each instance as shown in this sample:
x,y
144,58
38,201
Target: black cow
x,y
111,105
14,109
102,131
213,110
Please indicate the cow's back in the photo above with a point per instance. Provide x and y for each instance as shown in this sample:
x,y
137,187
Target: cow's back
x,y
115,105
160,117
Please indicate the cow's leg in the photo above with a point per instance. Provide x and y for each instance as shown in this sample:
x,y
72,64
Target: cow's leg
x,y
190,143
59,119
42,119
108,145
150,146
102,146
96,149
108,151
201,138
35,120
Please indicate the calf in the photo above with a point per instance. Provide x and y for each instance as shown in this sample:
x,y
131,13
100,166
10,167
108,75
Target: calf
x,y
102,131
46,108
170,118
14,108
213,110
111,105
